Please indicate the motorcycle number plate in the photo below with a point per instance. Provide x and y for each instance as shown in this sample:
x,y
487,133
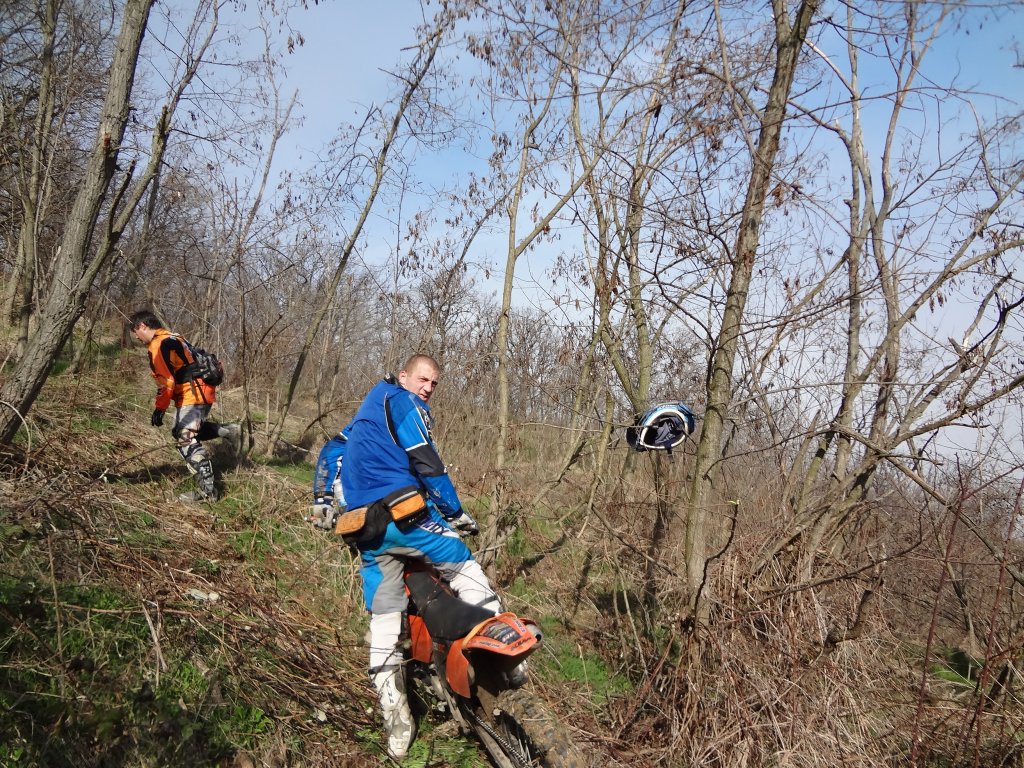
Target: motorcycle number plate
x,y
503,633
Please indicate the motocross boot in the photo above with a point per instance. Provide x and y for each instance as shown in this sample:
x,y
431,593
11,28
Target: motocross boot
x,y
190,497
394,705
233,434
199,464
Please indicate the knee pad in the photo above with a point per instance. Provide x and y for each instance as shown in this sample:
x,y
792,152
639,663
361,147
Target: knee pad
x,y
186,439
471,584
193,453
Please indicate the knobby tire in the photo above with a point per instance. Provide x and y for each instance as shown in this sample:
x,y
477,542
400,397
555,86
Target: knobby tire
x,y
523,720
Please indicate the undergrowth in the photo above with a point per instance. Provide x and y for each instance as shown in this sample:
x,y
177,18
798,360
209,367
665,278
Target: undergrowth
x,y
137,630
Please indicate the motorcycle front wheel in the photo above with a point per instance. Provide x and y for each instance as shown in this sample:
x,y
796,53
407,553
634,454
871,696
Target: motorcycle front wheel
x,y
522,732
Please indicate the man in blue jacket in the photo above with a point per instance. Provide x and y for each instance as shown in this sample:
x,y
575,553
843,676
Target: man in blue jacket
x,y
389,457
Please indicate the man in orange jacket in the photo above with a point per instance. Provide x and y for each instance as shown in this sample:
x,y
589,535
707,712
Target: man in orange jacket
x,y
169,359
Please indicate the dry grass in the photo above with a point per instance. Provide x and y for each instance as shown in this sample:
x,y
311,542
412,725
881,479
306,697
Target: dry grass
x,y
232,634
239,629
241,591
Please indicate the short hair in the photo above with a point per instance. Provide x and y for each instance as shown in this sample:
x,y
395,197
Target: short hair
x,y
143,316
418,358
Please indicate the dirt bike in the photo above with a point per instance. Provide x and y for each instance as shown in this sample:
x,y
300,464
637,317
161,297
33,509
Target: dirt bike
x,y
471,660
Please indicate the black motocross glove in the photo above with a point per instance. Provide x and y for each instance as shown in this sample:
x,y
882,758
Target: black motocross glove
x,y
157,419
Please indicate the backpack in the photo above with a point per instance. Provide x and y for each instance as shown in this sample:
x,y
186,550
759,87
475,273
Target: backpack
x,y
205,365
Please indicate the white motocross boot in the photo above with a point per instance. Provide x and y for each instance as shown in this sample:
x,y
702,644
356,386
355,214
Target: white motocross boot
x,y
394,705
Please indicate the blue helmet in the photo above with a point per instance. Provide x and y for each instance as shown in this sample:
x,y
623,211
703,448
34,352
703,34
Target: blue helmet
x,y
661,428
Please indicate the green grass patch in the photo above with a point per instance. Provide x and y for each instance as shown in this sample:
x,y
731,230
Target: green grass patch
x,y
16,538
291,539
82,665
518,589
230,508
12,755
186,680
110,350
242,725
147,539
561,660
453,752
956,666
93,423
952,676
20,439
251,544
517,545
206,567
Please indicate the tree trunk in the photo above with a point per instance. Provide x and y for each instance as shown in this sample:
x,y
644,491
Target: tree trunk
x,y
789,41
18,294
71,279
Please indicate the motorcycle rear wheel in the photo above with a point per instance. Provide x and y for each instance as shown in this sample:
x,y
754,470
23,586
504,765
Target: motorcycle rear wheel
x,y
529,735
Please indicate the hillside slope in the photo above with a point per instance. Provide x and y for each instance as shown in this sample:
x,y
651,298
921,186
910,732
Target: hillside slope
x,y
138,630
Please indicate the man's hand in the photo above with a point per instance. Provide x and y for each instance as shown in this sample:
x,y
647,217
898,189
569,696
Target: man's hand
x,y
323,515
463,524
157,419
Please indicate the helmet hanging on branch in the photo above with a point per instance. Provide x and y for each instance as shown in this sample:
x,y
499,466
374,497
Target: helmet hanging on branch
x,y
661,428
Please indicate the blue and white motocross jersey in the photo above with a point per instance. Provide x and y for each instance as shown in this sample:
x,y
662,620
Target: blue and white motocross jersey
x,y
389,447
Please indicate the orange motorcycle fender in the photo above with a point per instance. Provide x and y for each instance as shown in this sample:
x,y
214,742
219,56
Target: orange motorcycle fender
x,y
422,647
504,634
457,669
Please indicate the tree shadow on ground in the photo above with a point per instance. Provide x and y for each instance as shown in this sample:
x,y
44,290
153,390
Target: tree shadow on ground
x,y
147,474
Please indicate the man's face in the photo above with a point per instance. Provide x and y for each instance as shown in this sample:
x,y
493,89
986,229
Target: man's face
x,y
420,379
143,333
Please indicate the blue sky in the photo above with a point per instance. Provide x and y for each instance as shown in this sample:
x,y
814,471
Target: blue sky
x,y
338,72
339,69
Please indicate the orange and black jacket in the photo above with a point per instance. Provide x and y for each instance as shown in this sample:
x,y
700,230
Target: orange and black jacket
x,y
169,357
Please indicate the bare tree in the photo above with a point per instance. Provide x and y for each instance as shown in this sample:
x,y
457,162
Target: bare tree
x,y
902,382
533,54
49,93
790,34
654,127
74,270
